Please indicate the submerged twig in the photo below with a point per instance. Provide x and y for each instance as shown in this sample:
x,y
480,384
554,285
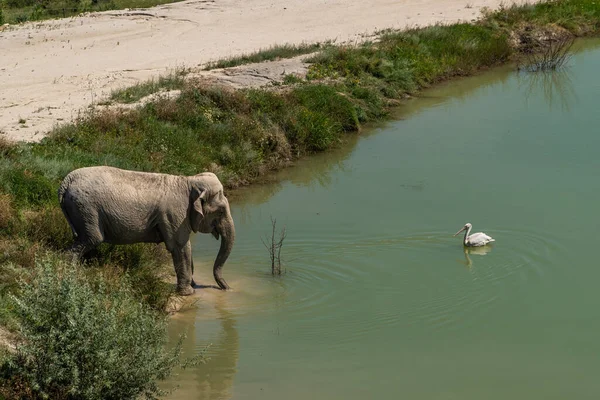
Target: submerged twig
x,y
274,247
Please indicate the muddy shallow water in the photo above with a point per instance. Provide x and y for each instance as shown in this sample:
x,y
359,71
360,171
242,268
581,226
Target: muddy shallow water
x,y
379,300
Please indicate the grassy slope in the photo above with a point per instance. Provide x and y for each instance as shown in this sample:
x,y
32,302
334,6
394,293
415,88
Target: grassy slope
x,y
241,135
16,11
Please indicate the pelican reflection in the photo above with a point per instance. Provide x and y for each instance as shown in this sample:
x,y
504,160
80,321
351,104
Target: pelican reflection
x,y
479,251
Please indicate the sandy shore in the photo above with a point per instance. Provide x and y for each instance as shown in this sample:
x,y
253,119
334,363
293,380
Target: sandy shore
x,y
51,71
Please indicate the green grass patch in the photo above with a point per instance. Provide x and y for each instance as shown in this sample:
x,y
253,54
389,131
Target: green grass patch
x,y
269,54
173,81
17,11
578,16
403,62
236,133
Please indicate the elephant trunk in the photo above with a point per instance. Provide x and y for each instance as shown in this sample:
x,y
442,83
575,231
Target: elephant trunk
x,y
226,229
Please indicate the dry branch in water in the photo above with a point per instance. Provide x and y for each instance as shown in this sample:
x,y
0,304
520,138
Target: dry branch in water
x,y
274,247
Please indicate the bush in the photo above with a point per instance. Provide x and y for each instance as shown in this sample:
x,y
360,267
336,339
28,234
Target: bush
x,y
313,131
147,267
82,340
27,187
49,227
7,214
330,102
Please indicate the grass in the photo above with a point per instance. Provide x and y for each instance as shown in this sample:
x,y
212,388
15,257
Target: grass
x,y
401,63
173,81
238,134
270,54
580,17
17,11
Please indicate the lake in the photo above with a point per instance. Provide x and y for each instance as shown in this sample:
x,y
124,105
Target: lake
x,y
379,300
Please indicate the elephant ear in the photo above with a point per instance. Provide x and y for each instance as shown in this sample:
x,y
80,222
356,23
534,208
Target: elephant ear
x,y
198,196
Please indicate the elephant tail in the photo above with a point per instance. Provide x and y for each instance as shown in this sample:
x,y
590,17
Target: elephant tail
x,y
64,186
62,190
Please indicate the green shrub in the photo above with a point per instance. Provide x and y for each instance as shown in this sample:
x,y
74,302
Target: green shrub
x,y
27,187
49,227
312,131
20,18
329,101
5,146
7,214
83,340
146,267
16,250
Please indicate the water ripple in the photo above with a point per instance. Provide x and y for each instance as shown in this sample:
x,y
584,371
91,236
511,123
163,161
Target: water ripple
x,y
425,278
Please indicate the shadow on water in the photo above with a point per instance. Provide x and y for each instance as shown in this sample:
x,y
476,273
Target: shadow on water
x,y
454,90
315,171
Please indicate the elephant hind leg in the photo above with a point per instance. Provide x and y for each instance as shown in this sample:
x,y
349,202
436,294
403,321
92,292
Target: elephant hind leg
x,y
85,226
86,239
81,247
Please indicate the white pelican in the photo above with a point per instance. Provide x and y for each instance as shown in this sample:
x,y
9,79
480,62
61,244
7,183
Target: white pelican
x,y
476,239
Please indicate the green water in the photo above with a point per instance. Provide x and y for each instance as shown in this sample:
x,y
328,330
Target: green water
x,y
379,300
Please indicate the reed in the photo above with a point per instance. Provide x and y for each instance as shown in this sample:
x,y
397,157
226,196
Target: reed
x,y
554,55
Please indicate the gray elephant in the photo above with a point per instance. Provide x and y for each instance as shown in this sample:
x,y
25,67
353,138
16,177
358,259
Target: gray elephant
x,y
106,204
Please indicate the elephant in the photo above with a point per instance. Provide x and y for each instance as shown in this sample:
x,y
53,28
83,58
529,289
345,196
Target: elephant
x,y
118,206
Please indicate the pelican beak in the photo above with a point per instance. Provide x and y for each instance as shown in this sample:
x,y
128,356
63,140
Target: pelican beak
x,y
463,228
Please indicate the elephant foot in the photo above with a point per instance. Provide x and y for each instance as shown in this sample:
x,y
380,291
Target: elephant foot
x,y
185,291
222,284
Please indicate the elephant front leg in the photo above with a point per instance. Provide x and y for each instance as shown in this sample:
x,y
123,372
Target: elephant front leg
x,y
182,260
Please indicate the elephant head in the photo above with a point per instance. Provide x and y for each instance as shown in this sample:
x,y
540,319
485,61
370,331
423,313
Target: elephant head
x,y
210,213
